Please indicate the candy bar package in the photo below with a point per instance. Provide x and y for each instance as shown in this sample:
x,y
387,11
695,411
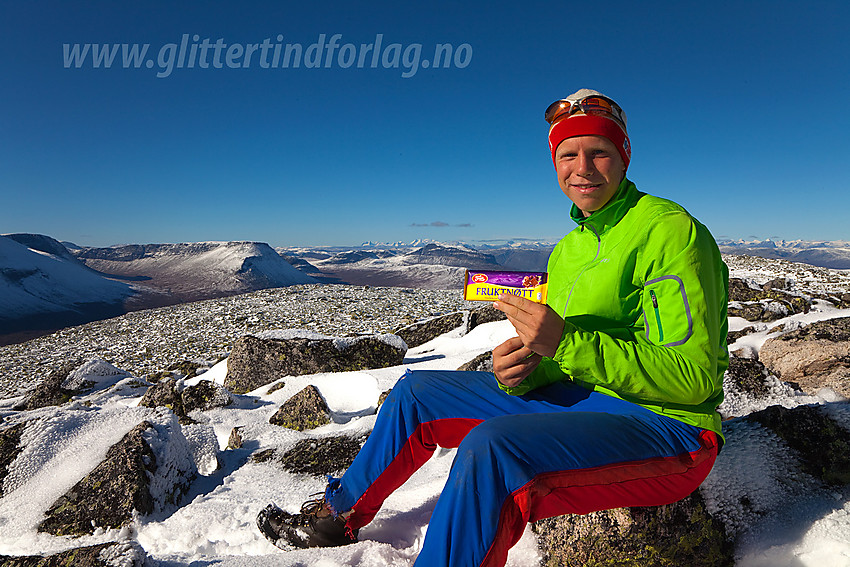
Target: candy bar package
x,y
486,285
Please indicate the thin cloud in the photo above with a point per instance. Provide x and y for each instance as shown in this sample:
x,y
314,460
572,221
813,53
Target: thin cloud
x,y
441,224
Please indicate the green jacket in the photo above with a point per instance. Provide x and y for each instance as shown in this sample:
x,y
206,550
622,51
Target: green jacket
x,y
643,293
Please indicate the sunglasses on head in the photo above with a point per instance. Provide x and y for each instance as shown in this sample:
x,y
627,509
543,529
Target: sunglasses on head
x,y
593,105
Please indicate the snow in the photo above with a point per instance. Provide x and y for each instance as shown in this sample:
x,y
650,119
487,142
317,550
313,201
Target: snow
x,y
779,523
33,282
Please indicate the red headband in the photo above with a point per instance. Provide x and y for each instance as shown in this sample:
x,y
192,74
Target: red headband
x,y
583,125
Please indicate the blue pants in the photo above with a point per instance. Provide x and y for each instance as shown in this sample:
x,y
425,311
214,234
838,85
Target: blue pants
x,y
556,450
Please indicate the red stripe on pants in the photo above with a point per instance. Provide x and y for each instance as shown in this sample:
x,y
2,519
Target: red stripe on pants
x,y
418,449
651,482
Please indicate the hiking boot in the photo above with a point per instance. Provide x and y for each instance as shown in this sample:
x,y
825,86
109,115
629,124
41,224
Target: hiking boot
x,y
315,526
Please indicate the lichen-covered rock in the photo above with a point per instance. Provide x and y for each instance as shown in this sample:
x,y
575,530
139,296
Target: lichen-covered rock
x,y
148,470
460,321
820,441
112,554
682,533
205,395
383,397
324,456
255,362
733,336
305,410
481,363
164,393
765,303
50,391
235,441
747,375
10,439
815,356
108,495
421,332
484,314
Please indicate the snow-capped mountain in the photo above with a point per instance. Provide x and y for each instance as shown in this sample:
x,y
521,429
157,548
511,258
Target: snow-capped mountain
x,y
834,254
432,266
42,286
200,270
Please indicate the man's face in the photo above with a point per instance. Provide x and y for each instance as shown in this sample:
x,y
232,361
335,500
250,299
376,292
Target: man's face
x,y
589,171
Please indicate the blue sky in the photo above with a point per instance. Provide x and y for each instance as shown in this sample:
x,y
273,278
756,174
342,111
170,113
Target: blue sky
x,y
738,111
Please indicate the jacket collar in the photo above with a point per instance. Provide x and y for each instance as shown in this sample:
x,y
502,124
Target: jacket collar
x,y
609,215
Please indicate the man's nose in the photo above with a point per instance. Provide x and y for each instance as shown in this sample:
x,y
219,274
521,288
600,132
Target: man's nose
x,y
585,164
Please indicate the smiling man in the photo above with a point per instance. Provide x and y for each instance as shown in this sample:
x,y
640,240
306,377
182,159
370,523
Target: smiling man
x,y
606,397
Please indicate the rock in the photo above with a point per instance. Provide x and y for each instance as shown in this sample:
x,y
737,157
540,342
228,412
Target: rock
x,y
383,397
131,479
324,456
682,533
423,331
10,439
50,391
463,321
205,395
125,554
814,357
484,314
186,368
819,440
164,394
108,495
733,336
255,362
748,376
235,439
766,303
481,363
305,410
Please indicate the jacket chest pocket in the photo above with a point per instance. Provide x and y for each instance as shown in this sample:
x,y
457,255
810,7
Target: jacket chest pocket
x,y
666,311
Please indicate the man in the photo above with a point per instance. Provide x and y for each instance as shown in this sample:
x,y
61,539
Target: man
x,y
606,398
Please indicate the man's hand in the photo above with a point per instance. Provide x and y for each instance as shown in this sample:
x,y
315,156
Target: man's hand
x,y
538,326
513,362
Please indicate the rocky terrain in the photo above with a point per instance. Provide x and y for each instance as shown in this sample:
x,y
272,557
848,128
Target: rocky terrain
x,y
186,446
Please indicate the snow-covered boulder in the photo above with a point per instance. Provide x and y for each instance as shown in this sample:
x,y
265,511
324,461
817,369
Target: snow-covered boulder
x,y
147,471
112,554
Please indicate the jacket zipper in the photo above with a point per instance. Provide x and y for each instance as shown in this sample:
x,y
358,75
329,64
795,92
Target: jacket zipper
x,y
657,315
598,248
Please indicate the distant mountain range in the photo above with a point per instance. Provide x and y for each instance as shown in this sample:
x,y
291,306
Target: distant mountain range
x,y
47,284
826,254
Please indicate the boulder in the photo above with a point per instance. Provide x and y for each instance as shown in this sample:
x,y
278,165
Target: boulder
x,y
305,410
813,357
772,460
421,332
10,448
324,456
255,362
168,393
147,471
50,391
682,533
820,442
461,321
481,363
204,396
769,302
164,393
125,554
